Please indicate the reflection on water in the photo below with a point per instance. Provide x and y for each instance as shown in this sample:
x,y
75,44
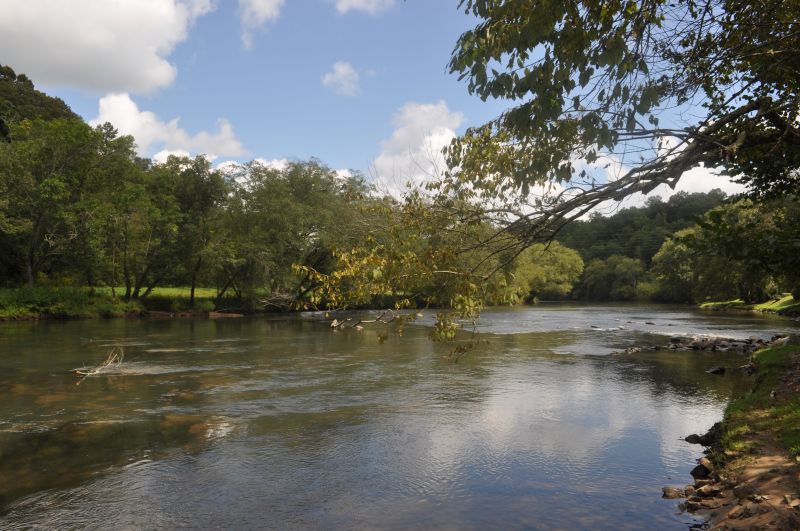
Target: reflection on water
x,y
281,423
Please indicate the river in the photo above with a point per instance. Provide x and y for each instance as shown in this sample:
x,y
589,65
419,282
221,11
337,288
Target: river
x,y
278,422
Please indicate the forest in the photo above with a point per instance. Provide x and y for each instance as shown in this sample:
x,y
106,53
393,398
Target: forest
x,y
87,226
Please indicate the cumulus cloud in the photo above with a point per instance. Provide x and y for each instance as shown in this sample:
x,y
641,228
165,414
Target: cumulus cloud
x,y
151,133
366,6
162,156
97,45
255,14
413,154
343,79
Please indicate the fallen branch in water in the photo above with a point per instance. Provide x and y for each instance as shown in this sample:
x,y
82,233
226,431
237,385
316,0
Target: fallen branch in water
x,y
113,360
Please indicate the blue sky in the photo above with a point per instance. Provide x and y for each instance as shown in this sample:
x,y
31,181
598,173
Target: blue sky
x,y
359,84
392,55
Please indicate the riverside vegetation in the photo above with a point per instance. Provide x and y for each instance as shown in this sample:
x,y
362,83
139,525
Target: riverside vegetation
x,y
87,229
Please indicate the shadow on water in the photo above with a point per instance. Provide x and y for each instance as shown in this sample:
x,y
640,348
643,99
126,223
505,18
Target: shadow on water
x,y
75,452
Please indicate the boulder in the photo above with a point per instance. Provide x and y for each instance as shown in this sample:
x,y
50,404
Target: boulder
x,y
716,370
692,439
700,472
706,462
708,491
736,512
671,493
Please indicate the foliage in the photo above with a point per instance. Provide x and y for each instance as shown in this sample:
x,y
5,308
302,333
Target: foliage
x,y
638,232
591,83
277,218
546,271
19,100
614,279
60,302
742,250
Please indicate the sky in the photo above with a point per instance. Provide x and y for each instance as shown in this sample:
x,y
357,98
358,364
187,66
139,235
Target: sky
x,y
360,84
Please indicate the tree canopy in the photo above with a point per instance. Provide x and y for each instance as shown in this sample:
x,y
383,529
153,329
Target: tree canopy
x,y
653,87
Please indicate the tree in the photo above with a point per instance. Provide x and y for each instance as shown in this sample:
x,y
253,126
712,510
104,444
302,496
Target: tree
x,y
200,194
605,81
19,100
546,271
44,171
615,279
279,218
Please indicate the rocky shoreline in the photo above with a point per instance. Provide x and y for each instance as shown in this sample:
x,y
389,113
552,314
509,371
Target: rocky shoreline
x,y
755,485
712,344
762,495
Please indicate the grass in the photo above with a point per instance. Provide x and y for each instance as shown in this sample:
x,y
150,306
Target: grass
x,y
50,302
784,304
759,413
61,302
179,292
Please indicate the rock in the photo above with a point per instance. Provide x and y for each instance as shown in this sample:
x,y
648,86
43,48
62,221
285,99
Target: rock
x,y
702,483
708,491
671,493
153,314
749,368
649,323
689,490
716,370
224,315
675,339
700,472
706,462
743,491
692,505
692,439
736,512
707,439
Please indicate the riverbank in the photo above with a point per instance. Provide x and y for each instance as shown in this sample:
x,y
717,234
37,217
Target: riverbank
x,y
786,305
47,302
750,478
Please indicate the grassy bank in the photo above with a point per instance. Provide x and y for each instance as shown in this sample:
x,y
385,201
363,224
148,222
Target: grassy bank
x,y
770,414
785,305
48,302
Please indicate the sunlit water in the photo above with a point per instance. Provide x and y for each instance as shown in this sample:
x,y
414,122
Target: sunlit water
x,y
282,423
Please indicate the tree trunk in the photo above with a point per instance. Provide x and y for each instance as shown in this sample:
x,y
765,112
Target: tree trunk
x,y
194,280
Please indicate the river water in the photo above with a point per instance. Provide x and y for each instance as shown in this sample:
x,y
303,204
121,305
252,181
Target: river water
x,y
267,422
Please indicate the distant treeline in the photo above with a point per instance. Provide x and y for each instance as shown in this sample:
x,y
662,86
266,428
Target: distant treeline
x,y
690,248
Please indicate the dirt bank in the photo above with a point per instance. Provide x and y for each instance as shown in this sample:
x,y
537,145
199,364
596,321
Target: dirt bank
x,y
750,478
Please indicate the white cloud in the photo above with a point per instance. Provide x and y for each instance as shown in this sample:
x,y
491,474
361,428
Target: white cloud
x,y
101,46
367,6
151,133
275,164
255,14
343,79
413,154
344,174
162,156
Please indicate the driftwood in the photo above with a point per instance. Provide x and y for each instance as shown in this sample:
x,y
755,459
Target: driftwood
x,y
113,360
339,325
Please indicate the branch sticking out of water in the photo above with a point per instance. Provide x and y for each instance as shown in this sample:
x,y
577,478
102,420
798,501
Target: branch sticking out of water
x,y
113,360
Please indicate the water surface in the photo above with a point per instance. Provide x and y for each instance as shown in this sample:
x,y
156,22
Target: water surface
x,y
281,423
